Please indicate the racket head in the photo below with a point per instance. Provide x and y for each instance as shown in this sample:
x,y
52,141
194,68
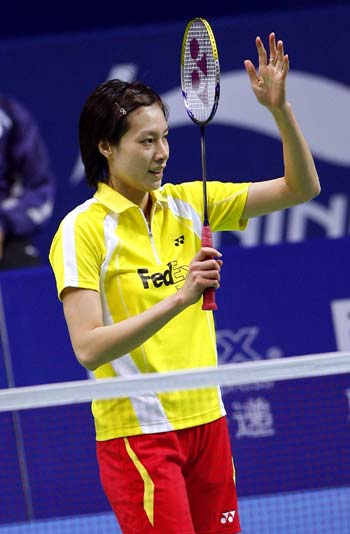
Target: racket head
x,y
200,71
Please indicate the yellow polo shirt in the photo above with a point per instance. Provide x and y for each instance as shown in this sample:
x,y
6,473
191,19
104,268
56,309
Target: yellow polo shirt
x,y
106,245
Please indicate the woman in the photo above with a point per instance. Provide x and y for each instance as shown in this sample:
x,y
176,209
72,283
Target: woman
x,y
131,272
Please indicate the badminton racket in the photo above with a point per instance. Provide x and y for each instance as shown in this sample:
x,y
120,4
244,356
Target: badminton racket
x,y
200,84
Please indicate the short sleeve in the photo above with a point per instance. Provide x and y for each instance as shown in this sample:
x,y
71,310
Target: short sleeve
x,y
75,254
226,202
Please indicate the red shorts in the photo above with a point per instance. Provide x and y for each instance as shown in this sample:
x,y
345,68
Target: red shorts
x,y
178,482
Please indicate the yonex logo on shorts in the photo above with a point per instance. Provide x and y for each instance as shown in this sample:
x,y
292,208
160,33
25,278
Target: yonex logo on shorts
x,y
228,517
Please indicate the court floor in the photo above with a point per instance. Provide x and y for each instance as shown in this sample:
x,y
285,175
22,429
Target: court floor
x,y
304,512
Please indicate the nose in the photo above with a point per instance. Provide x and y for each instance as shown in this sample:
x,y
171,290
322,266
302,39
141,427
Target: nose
x,y
162,152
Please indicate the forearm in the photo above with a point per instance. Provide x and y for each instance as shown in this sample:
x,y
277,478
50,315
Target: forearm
x,y
95,344
299,168
104,344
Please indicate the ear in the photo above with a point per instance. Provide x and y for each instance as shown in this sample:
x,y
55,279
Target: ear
x,y
105,148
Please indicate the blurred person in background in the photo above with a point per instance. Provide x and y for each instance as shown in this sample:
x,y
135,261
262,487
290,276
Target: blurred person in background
x,y
27,185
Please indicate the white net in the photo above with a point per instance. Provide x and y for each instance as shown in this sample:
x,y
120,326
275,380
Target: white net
x,y
226,375
289,422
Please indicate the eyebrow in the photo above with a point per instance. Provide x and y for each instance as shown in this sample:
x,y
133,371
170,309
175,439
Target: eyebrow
x,y
152,132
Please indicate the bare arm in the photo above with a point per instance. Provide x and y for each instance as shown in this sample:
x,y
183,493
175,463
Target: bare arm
x,y
300,181
95,344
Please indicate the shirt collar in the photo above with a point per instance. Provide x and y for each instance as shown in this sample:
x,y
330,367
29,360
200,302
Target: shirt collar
x,y
117,203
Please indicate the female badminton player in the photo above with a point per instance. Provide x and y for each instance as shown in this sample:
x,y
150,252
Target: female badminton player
x,y
131,272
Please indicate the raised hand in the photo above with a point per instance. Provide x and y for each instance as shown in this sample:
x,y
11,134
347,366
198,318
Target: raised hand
x,y
269,82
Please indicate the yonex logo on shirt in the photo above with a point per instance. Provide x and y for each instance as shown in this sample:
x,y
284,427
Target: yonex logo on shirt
x,y
228,517
173,275
179,240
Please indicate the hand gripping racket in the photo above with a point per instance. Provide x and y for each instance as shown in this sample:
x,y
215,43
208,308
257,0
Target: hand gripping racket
x,y
200,84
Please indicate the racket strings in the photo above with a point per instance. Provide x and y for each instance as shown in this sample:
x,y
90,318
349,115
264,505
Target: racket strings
x,y
200,72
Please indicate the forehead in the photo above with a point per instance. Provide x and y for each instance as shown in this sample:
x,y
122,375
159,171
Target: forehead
x,y
146,118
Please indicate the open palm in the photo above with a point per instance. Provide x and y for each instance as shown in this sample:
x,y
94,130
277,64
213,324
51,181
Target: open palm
x,y
269,83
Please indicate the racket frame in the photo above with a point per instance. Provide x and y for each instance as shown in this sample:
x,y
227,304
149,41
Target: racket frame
x,y
209,294
217,70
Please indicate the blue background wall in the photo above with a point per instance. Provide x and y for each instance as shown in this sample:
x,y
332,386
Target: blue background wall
x,y
21,19
53,75
291,298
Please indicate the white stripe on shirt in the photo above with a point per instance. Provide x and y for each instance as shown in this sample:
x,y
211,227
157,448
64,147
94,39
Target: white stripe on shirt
x,y
68,244
185,210
148,408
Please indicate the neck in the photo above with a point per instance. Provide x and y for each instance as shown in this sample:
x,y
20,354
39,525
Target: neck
x,y
140,198
148,208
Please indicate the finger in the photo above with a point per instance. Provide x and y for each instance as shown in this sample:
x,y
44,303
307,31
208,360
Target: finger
x,y
249,67
280,54
273,48
209,283
208,279
285,66
210,265
209,275
205,278
204,252
206,265
261,52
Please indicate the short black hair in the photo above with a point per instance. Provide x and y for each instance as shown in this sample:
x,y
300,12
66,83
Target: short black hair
x,y
104,117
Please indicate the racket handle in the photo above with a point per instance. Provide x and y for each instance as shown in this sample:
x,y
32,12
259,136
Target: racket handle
x,y
209,293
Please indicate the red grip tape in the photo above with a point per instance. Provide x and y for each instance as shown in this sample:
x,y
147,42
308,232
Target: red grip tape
x,y
209,293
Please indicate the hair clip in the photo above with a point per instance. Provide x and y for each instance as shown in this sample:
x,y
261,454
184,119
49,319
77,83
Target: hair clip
x,y
121,110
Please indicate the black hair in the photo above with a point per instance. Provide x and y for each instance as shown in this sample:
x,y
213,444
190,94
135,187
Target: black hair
x,y
104,117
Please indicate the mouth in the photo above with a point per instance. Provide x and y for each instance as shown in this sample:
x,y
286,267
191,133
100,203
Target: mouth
x,y
158,172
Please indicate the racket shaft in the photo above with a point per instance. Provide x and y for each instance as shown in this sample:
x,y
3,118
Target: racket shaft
x,y
209,293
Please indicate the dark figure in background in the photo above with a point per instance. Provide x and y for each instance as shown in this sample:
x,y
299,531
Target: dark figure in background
x,y
27,185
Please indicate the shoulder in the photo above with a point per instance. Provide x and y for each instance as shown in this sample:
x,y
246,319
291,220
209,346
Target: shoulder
x,y
90,211
221,191
183,191
80,231
217,191
85,220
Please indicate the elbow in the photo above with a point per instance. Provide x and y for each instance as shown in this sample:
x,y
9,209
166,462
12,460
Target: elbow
x,y
311,192
317,189
314,191
316,186
90,366
87,359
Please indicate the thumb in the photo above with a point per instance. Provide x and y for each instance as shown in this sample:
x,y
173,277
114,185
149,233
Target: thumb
x,y
249,67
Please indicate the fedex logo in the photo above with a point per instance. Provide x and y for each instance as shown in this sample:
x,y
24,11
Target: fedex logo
x,y
173,275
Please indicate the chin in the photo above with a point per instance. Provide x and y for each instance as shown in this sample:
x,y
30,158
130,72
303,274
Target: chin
x,y
156,185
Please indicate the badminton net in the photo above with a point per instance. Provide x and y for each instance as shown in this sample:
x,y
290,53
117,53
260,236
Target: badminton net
x,y
289,422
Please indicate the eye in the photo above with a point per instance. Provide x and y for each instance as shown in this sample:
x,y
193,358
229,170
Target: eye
x,y
147,141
